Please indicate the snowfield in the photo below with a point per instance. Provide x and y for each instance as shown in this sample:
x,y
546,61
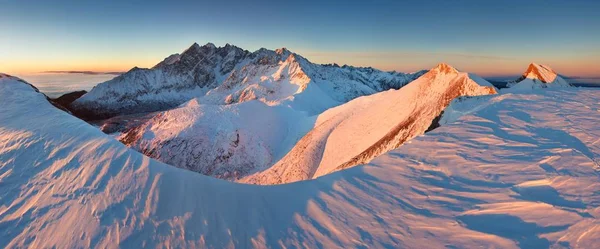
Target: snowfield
x,y
521,172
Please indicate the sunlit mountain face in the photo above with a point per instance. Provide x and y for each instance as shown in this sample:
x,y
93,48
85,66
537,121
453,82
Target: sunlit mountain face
x,y
299,124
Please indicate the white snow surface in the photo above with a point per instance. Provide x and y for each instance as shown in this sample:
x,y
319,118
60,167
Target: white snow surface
x,y
522,172
535,77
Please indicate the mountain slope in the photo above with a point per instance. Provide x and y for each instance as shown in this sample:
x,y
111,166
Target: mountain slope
x,y
229,75
65,184
358,131
538,76
247,137
224,141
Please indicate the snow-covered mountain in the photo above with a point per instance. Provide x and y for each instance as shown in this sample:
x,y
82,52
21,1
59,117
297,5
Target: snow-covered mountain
x,y
522,172
225,75
538,76
224,141
237,140
360,130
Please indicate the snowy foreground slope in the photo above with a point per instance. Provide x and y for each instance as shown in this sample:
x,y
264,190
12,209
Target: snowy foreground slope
x,y
522,172
225,75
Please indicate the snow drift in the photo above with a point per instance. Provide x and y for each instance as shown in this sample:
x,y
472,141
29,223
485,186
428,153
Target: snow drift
x,y
492,179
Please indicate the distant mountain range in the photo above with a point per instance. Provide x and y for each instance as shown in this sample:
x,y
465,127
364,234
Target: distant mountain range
x,y
272,116
229,74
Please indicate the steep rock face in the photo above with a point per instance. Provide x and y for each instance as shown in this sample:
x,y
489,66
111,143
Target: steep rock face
x,y
225,75
537,76
68,98
170,83
360,130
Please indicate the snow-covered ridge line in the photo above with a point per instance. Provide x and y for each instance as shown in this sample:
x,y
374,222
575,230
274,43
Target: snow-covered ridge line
x,y
266,138
227,75
67,185
542,73
356,132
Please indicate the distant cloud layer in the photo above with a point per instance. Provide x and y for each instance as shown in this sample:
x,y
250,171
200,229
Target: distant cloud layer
x,y
84,72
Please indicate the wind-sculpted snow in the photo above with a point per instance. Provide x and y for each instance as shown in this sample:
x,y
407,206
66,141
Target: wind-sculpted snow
x,y
224,75
522,172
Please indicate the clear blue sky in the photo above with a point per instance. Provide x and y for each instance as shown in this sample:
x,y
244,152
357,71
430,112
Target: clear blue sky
x,y
485,37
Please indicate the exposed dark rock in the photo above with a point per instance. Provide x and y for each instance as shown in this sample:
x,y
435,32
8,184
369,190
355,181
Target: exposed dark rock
x,y
68,98
435,123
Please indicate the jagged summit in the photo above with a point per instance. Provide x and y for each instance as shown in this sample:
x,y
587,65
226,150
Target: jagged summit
x,y
444,68
537,76
540,72
282,50
209,45
194,50
444,71
191,49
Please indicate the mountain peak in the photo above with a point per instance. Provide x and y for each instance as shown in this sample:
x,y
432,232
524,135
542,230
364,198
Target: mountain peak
x,y
209,45
444,68
193,47
539,72
282,50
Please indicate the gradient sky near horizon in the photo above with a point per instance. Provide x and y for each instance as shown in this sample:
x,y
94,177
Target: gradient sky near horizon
x,y
491,38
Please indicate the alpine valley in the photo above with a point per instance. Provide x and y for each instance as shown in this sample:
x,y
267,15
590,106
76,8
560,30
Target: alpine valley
x,y
271,117
354,157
